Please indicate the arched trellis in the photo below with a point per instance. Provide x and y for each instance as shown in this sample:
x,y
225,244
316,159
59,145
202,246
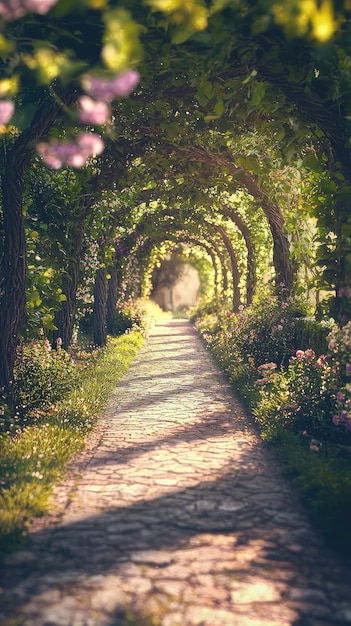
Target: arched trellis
x,y
234,266
211,254
171,230
177,221
284,274
180,237
251,257
211,229
235,274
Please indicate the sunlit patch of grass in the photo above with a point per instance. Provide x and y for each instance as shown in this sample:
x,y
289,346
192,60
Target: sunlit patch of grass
x,y
33,460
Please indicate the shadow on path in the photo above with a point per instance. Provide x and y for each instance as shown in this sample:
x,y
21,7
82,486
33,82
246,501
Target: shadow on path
x,y
181,515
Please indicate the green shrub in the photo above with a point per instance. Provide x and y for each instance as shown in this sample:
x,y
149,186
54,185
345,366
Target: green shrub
x,y
135,314
300,398
42,376
339,349
261,333
309,333
205,306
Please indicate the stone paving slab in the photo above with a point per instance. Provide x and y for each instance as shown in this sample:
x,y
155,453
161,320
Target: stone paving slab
x,y
175,515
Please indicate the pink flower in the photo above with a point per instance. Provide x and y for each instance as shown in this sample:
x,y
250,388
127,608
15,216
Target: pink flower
x,y
340,396
59,341
14,9
103,89
321,361
6,109
335,420
74,154
267,366
300,354
280,327
39,6
261,381
92,111
309,355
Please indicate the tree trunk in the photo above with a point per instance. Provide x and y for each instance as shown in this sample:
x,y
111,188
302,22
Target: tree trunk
x,y
64,318
234,265
13,300
13,293
112,295
99,311
251,277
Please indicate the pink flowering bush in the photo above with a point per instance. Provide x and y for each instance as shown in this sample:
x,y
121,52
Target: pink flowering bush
x,y
339,347
263,332
299,398
42,375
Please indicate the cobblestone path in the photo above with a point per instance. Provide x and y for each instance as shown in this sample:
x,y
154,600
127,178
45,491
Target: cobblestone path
x,y
179,516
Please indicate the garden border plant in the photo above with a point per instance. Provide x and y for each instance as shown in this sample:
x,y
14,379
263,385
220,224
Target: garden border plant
x,y
302,405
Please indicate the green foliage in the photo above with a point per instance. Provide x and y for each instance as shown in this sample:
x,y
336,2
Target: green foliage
x,y
339,347
309,333
300,398
263,332
42,376
135,314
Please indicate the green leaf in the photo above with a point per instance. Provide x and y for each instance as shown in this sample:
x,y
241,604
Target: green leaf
x,y
258,93
219,107
207,89
181,34
251,163
280,133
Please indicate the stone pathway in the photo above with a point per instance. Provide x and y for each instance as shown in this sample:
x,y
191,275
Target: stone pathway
x,y
175,516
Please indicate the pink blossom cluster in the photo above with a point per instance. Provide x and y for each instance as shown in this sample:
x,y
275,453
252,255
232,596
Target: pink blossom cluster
x,y
73,154
308,355
6,111
14,9
265,370
92,111
107,90
343,399
344,419
96,109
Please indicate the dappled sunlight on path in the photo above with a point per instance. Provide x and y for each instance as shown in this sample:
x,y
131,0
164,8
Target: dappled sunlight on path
x,y
179,514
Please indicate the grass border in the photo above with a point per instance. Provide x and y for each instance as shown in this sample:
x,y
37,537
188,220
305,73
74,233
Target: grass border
x,y
33,461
